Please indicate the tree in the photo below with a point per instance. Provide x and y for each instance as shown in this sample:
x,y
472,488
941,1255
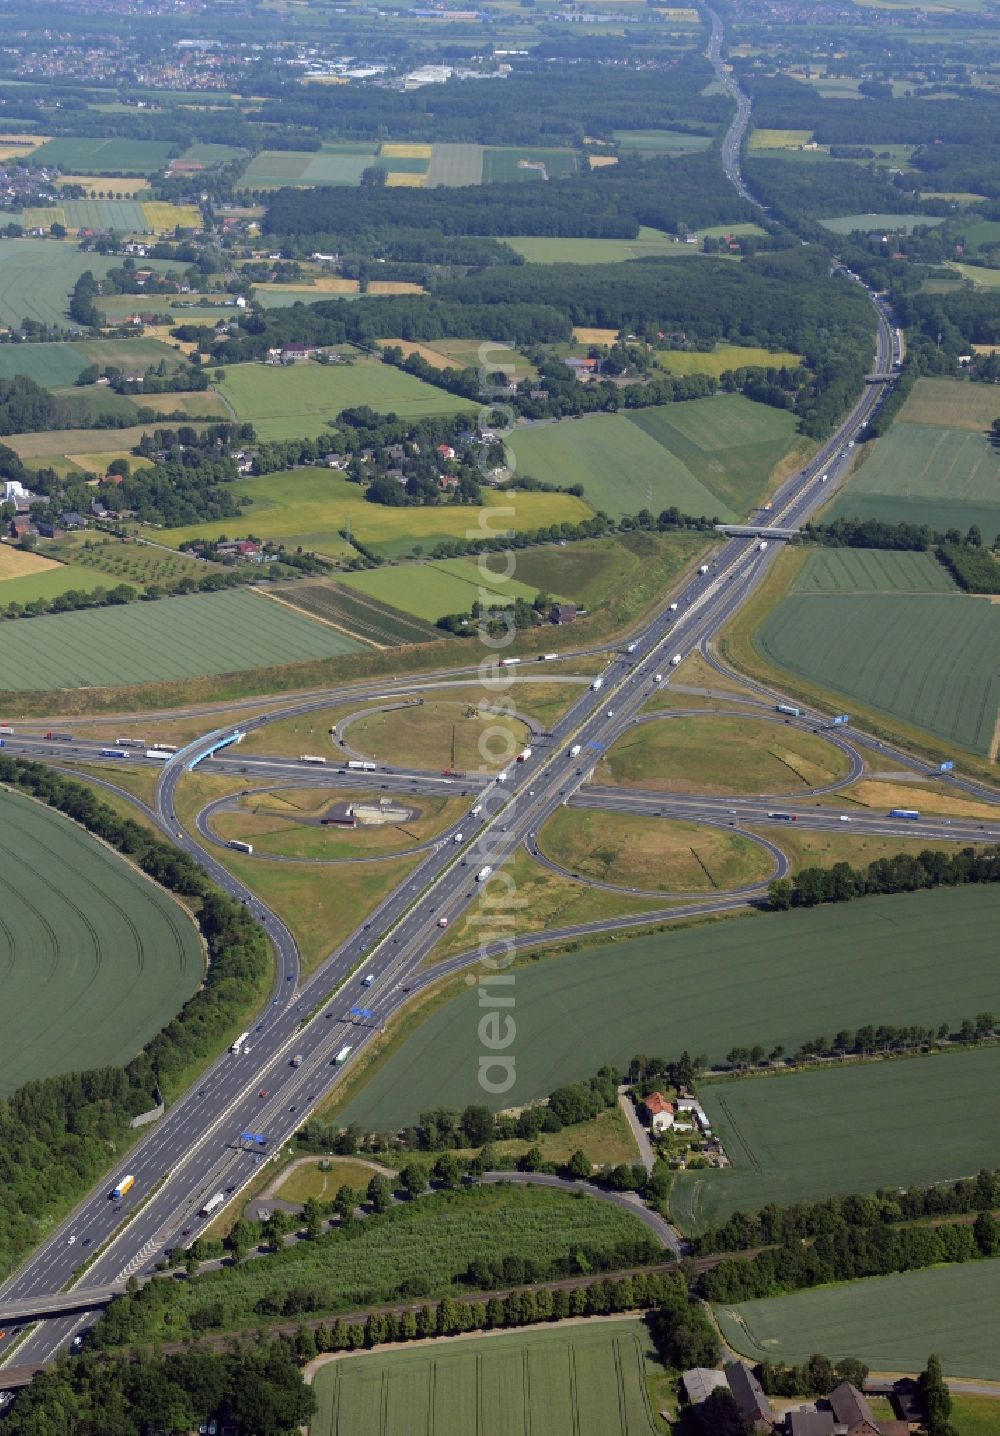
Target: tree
x,y
446,1171
380,1193
413,1179
986,1231
579,1165
312,1213
719,1415
936,1397
241,1238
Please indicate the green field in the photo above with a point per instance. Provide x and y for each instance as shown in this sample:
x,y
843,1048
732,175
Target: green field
x,y
854,570
706,456
126,216
577,1381
428,1243
435,589
95,156
891,223
95,958
296,400
225,632
212,155
649,243
51,365
36,276
950,404
333,165
723,357
704,989
311,506
891,1322
503,166
365,617
795,1138
51,582
922,474
929,659
660,142
977,275
453,165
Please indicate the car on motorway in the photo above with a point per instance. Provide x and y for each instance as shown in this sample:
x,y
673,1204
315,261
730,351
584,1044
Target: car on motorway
x,y
262,1092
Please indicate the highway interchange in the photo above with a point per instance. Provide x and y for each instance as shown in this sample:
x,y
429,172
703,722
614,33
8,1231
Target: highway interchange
x,y
194,1150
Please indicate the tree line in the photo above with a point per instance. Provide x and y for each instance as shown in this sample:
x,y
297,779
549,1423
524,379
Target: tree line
x,y
901,873
56,1134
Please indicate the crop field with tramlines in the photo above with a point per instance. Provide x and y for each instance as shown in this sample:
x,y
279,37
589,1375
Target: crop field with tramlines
x,y
576,1381
95,958
358,613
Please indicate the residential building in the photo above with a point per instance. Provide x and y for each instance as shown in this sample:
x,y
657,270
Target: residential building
x,y
562,613
851,1410
749,1396
700,1382
810,1422
659,1111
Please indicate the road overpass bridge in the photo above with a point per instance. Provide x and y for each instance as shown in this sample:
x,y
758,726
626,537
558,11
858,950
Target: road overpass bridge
x,y
755,531
81,1298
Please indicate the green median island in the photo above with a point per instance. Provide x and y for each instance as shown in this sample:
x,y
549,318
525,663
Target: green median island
x,y
96,958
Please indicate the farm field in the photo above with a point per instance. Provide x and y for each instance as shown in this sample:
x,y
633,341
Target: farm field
x,y
299,399
852,570
332,165
778,139
502,166
975,274
651,853
794,1138
701,988
584,1381
927,659
36,276
892,223
660,142
211,155
617,462
91,155
539,249
46,580
891,1322
721,753
154,642
51,365
465,353
311,506
950,404
431,1241
723,357
82,991
356,613
283,296
453,165
436,588
926,474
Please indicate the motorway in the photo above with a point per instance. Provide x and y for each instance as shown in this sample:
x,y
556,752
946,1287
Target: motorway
x,y
195,1150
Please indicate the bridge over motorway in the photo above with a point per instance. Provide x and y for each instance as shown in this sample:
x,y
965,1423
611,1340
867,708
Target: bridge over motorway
x,y
755,531
81,1298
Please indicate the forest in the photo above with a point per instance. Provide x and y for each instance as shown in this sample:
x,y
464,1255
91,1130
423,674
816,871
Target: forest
x,y
902,873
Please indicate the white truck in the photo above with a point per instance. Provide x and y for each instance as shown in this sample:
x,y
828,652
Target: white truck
x,y
502,777
483,874
631,647
342,1056
703,568
675,660
311,758
524,755
762,546
597,683
297,1060
457,838
237,1047
673,608
576,750
213,1204
657,677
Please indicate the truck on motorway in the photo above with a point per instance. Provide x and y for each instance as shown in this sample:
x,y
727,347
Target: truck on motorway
x,y
784,817
125,1185
311,758
239,846
597,683
672,608
762,546
6,728
213,1204
657,677
502,777
576,750
164,747
457,838
631,647
297,1060
237,1047
158,755
59,737
483,874
363,766
524,755
789,709
342,1055
131,742
676,659
911,814
703,568
114,753
508,662
547,657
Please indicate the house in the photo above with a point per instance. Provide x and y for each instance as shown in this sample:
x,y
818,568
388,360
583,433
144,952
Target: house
x,y
21,526
72,520
749,1396
810,1422
562,613
583,368
291,352
700,1382
659,1111
239,549
47,529
98,510
12,489
852,1411
445,451
448,481
336,461
112,479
